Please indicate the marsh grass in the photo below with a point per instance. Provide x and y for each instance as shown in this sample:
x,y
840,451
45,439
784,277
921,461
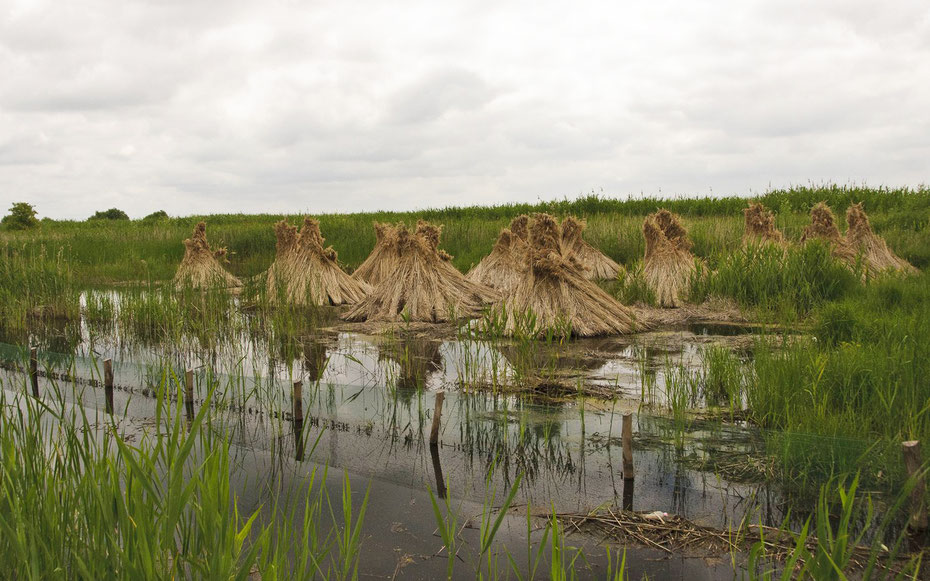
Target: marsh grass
x,y
81,497
102,252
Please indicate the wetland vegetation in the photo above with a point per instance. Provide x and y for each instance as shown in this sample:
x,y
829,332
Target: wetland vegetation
x,y
790,416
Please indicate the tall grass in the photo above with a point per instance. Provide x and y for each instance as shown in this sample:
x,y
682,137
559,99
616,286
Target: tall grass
x,y
101,252
82,501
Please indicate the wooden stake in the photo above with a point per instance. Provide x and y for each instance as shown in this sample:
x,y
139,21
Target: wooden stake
x,y
108,383
627,446
913,462
189,394
298,403
437,470
437,413
34,371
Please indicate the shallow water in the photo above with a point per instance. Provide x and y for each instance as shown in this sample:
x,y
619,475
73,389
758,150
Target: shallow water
x,y
368,401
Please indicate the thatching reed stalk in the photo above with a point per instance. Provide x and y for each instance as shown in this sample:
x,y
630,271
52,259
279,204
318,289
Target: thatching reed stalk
x,y
596,265
760,226
200,267
306,273
379,264
555,290
503,268
423,285
875,255
668,264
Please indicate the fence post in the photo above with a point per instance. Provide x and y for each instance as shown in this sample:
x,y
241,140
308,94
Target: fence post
x,y
108,384
913,462
189,394
628,446
34,371
297,402
437,413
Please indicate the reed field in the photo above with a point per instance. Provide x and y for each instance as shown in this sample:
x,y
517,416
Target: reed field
x,y
830,380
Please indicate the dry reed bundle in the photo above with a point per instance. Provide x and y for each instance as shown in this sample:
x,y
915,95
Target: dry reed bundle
x,y
555,289
760,226
596,265
423,285
200,267
871,249
503,268
304,272
380,263
823,225
520,226
668,264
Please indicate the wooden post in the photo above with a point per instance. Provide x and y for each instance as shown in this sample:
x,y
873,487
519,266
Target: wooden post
x,y
627,446
189,394
913,462
297,402
108,384
437,413
437,470
34,371
628,494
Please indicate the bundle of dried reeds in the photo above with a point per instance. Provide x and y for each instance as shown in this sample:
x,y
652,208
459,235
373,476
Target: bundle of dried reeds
x,y
760,226
306,273
596,264
556,292
200,267
871,249
668,264
423,284
503,268
379,264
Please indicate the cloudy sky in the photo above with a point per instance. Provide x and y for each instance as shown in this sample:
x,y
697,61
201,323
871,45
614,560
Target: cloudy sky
x,y
227,106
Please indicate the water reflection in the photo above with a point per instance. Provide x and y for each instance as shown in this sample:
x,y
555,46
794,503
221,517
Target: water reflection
x,y
363,397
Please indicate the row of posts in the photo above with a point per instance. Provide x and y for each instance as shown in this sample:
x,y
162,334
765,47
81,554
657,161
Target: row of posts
x,y
911,449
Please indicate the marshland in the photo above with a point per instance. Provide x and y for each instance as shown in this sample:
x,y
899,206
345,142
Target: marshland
x,y
770,372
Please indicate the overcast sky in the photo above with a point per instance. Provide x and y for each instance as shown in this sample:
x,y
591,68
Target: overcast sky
x,y
229,106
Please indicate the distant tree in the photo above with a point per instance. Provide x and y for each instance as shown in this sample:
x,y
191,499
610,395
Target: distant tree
x,y
111,214
21,217
156,216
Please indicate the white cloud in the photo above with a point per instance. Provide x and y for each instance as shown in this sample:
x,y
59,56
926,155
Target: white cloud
x,y
333,106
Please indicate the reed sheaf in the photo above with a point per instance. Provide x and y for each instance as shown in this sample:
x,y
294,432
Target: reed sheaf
x,y
554,291
668,264
860,247
200,267
306,272
418,283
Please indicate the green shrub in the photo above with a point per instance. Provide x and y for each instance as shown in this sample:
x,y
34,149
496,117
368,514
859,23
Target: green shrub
x,y
22,216
111,214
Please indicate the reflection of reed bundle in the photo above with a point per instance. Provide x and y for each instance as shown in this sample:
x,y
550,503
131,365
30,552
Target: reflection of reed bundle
x,y
423,285
596,265
417,360
200,267
307,273
874,253
668,264
503,268
760,226
555,289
